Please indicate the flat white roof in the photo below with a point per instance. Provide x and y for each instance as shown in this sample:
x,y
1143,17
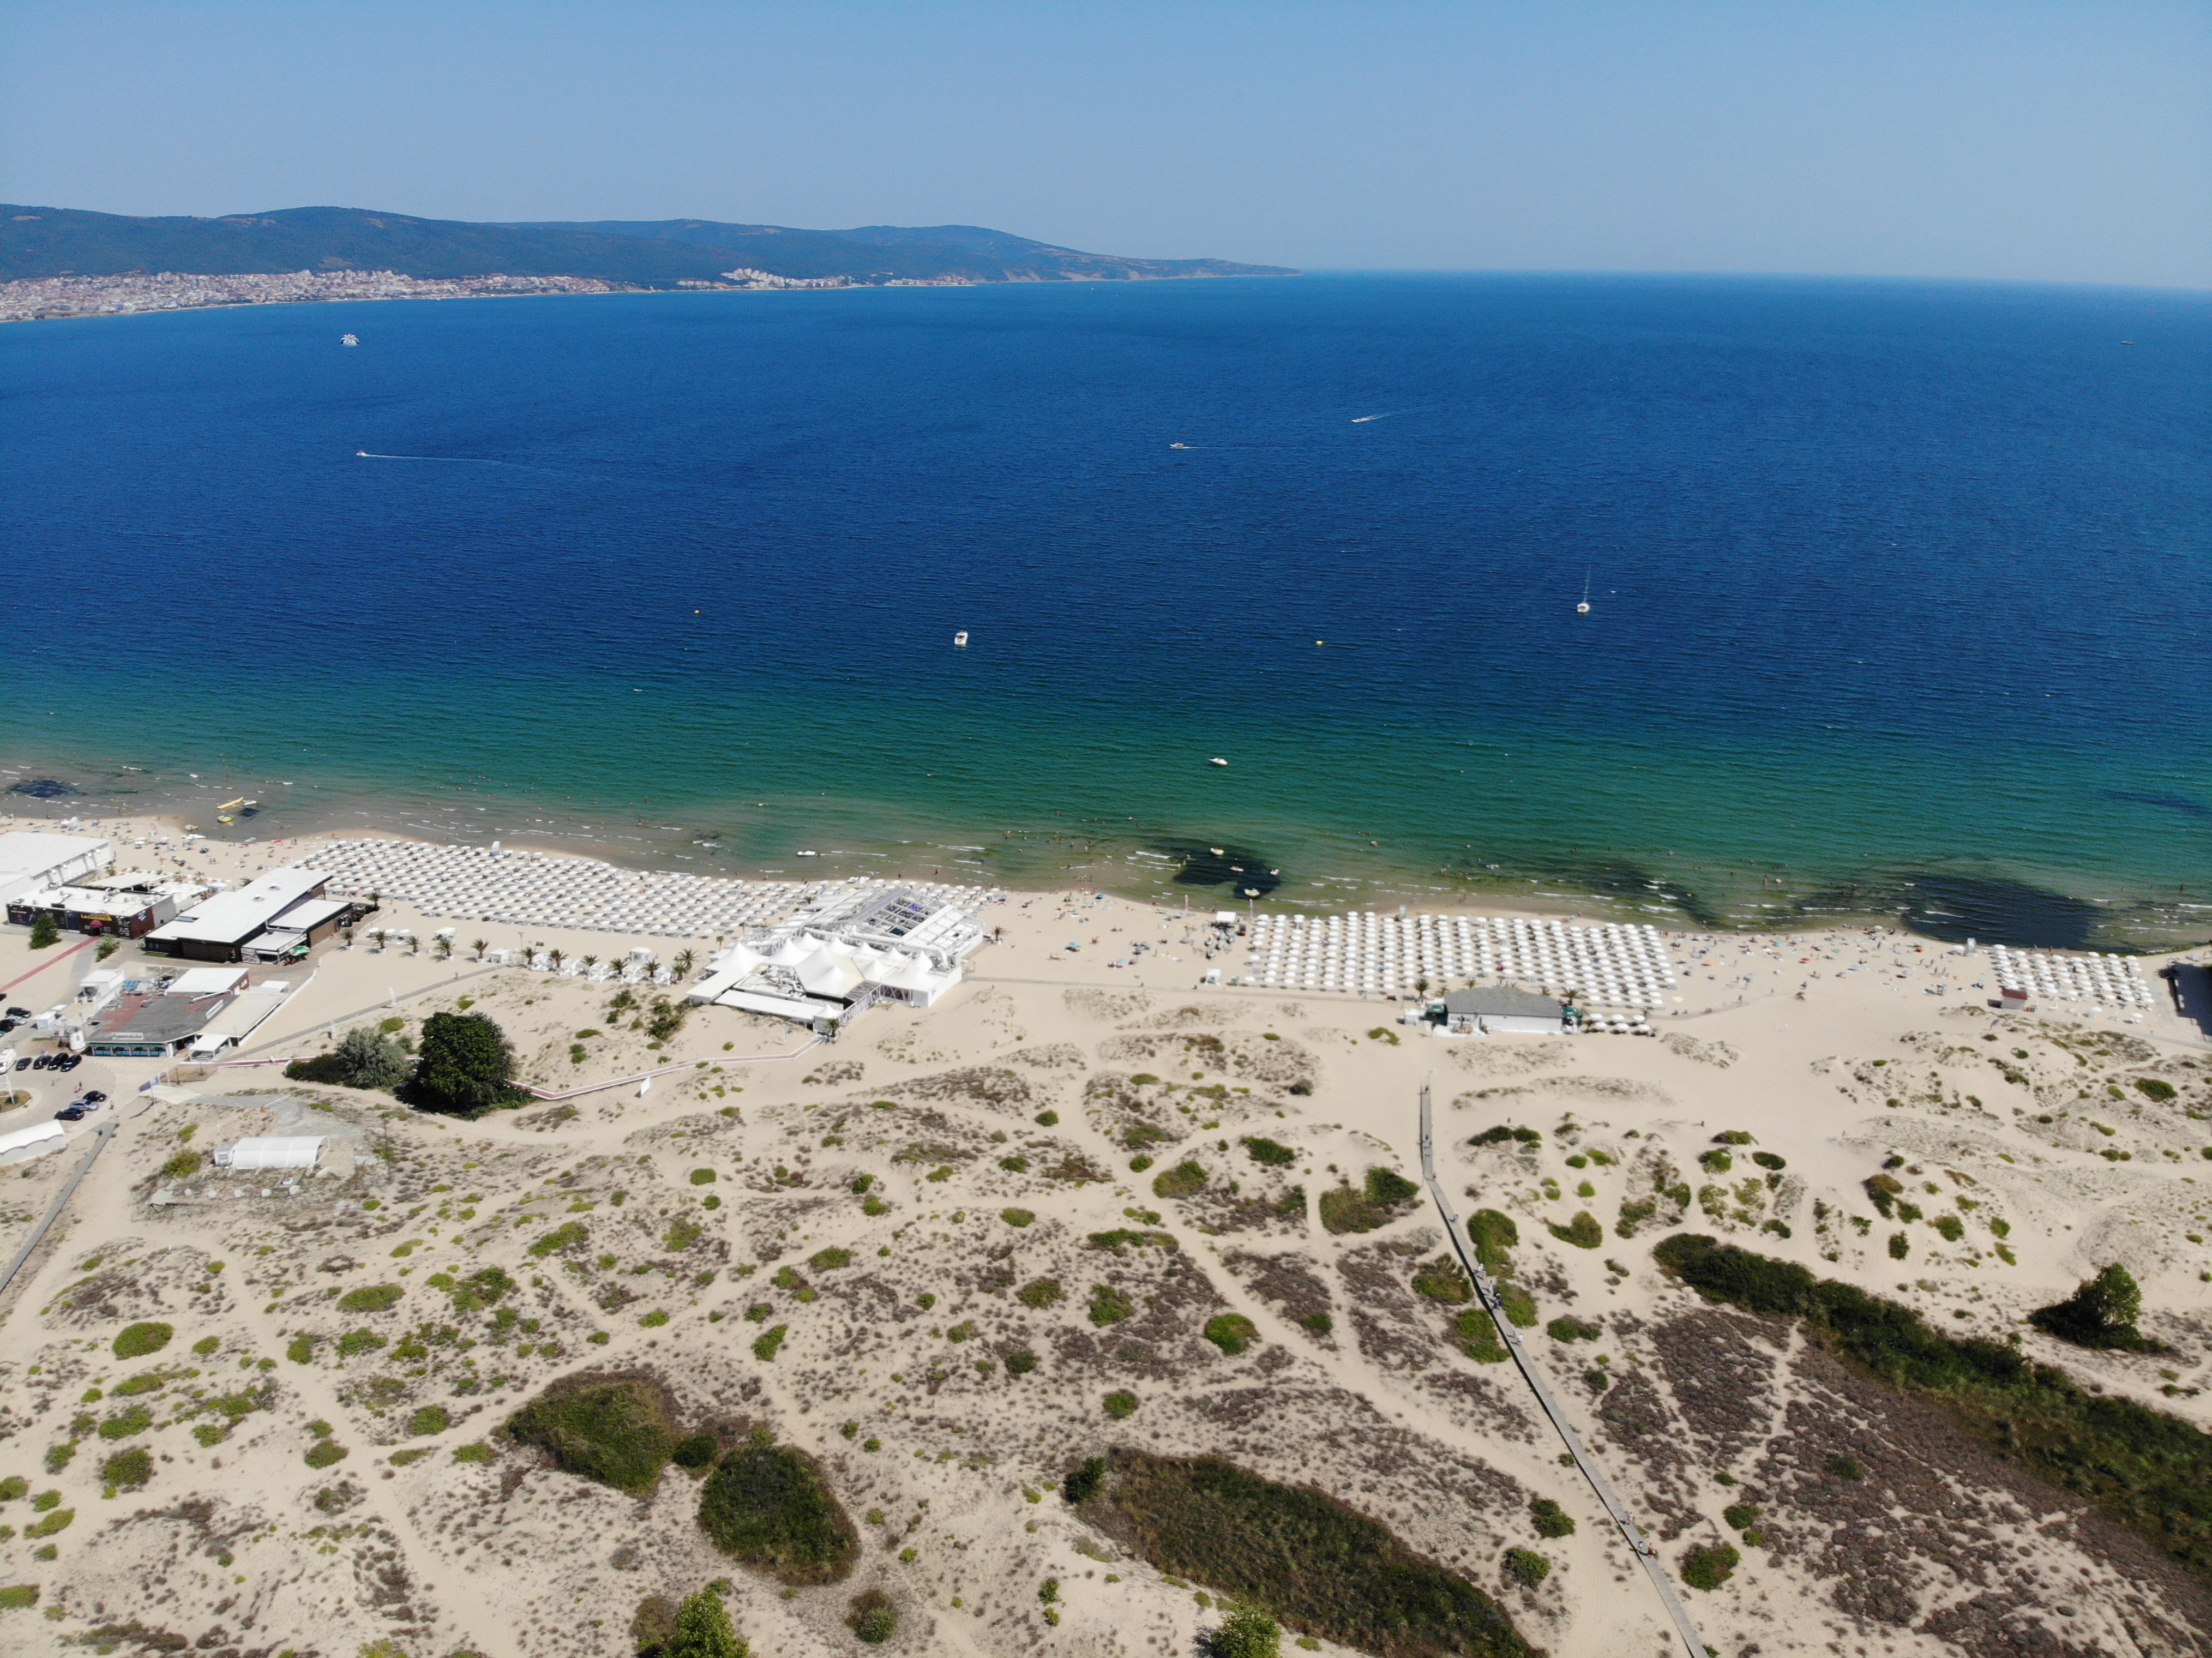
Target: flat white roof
x,y
207,981
95,901
238,1021
314,912
35,852
232,918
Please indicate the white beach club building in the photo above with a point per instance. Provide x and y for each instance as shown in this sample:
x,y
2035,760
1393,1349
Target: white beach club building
x,y
31,859
861,945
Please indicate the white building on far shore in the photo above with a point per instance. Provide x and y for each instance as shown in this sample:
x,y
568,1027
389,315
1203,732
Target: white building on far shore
x,y
858,947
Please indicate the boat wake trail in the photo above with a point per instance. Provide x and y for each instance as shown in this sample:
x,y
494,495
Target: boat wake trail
x,y
1387,414
468,460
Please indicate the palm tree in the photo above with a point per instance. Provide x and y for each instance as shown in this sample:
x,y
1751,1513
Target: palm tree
x,y
589,963
683,963
479,945
444,950
376,937
554,957
346,933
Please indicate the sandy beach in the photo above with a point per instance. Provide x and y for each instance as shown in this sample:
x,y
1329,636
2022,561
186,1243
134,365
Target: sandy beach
x,y
861,1196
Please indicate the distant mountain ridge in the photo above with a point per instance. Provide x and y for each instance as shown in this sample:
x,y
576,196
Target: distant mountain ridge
x,y
45,241
911,253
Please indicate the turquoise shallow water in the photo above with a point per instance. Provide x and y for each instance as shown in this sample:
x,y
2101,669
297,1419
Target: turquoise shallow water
x,y
1900,597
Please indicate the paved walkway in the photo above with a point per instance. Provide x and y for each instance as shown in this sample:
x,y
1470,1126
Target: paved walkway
x,y
1488,1290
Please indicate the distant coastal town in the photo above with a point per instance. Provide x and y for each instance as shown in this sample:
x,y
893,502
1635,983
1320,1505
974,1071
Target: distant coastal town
x,y
41,297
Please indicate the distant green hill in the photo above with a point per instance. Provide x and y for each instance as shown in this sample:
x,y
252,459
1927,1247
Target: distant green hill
x,y
45,241
914,252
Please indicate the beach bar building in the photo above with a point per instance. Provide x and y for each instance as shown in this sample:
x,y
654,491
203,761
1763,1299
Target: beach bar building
x,y
857,947
1501,1009
165,1023
220,928
117,906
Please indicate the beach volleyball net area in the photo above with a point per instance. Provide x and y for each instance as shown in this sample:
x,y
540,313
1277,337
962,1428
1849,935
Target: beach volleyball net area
x,y
536,889
1617,964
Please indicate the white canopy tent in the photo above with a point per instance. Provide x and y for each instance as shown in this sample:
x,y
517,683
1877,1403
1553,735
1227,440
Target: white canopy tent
x,y
35,1141
272,1151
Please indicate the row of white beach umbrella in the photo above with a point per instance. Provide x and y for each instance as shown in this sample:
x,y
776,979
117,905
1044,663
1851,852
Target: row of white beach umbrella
x,y
2104,979
536,889
1615,964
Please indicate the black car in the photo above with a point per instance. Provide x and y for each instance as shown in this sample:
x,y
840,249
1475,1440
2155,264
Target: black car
x,y
93,1096
19,1013
68,1061
44,1062
25,1063
70,1113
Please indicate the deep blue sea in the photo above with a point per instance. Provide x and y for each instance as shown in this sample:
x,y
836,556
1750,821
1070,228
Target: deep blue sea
x,y
1901,593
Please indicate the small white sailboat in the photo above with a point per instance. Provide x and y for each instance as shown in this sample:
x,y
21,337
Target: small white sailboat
x,y
1217,761
347,339
960,640
1583,609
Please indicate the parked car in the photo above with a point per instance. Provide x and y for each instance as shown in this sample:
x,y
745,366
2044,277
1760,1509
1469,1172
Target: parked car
x,y
43,1062
70,1113
68,1061
19,1013
93,1096
25,1063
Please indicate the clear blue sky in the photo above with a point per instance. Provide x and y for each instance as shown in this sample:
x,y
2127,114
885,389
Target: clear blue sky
x,y
2069,142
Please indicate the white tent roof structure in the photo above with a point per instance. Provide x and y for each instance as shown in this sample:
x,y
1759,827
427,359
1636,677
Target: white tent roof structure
x,y
39,1137
274,1152
829,971
904,942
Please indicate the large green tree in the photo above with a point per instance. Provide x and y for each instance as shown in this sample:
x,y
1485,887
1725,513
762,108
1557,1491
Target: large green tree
x,y
703,1629
2102,1313
464,1063
364,1058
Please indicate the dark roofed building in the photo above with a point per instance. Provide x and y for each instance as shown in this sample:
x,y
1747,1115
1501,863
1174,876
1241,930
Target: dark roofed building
x,y
154,1027
1499,1008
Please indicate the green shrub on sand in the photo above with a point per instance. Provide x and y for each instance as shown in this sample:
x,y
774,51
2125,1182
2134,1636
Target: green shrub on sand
x,y
1231,1332
137,1340
612,1429
767,1504
1708,1566
1318,1566
1376,1201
